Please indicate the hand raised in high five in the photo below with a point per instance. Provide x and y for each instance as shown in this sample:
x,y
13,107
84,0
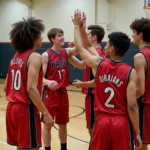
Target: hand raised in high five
x,y
83,25
79,19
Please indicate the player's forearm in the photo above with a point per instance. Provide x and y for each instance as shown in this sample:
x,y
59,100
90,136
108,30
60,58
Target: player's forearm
x,y
134,117
85,41
89,84
77,63
78,38
79,66
36,99
80,49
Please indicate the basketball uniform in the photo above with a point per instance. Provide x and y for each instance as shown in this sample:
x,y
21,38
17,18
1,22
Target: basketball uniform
x,y
112,128
56,101
23,124
144,102
89,99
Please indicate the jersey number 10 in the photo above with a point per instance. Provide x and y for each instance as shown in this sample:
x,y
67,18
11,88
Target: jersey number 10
x,y
16,79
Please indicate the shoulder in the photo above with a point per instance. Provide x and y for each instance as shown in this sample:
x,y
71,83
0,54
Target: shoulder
x,y
139,59
45,55
34,56
139,56
35,59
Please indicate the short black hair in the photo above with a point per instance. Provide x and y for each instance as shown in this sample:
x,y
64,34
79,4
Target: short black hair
x,y
98,31
53,32
25,32
142,25
120,41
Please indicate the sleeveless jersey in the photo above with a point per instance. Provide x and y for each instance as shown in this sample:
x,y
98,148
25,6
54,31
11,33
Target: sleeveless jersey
x,y
146,52
58,67
16,86
88,75
111,84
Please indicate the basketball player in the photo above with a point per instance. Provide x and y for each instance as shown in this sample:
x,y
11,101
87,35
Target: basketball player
x,y
115,92
24,86
95,34
56,71
141,32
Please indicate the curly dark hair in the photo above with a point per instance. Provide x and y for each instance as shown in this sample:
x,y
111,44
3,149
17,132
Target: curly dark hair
x,y
98,31
142,26
120,41
24,33
53,32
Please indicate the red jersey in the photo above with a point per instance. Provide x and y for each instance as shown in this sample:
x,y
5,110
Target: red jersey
x,y
16,87
88,75
146,52
111,84
58,67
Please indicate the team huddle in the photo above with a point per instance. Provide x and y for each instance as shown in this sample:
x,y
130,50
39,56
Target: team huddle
x,y
117,95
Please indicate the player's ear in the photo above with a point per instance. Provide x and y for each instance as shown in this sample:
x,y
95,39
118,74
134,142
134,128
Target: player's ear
x,y
111,48
95,37
141,34
52,39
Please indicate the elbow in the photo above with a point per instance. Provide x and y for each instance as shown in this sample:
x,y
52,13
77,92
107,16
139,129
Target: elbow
x,y
140,92
82,67
30,90
132,107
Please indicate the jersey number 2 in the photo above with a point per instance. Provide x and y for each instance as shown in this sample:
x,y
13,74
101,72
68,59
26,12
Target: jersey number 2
x,y
112,93
16,79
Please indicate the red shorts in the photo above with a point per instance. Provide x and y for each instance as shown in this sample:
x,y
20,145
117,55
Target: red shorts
x,y
57,104
89,110
112,132
145,122
23,125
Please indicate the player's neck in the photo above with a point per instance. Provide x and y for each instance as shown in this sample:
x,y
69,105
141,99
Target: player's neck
x,y
96,45
56,48
117,58
34,48
143,44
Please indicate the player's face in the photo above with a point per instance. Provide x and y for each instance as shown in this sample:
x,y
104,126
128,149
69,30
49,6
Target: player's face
x,y
38,42
107,50
136,37
59,39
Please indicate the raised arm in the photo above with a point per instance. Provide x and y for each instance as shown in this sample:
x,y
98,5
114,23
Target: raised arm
x,y
73,60
91,60
76,62
85,41
71,51
140,67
